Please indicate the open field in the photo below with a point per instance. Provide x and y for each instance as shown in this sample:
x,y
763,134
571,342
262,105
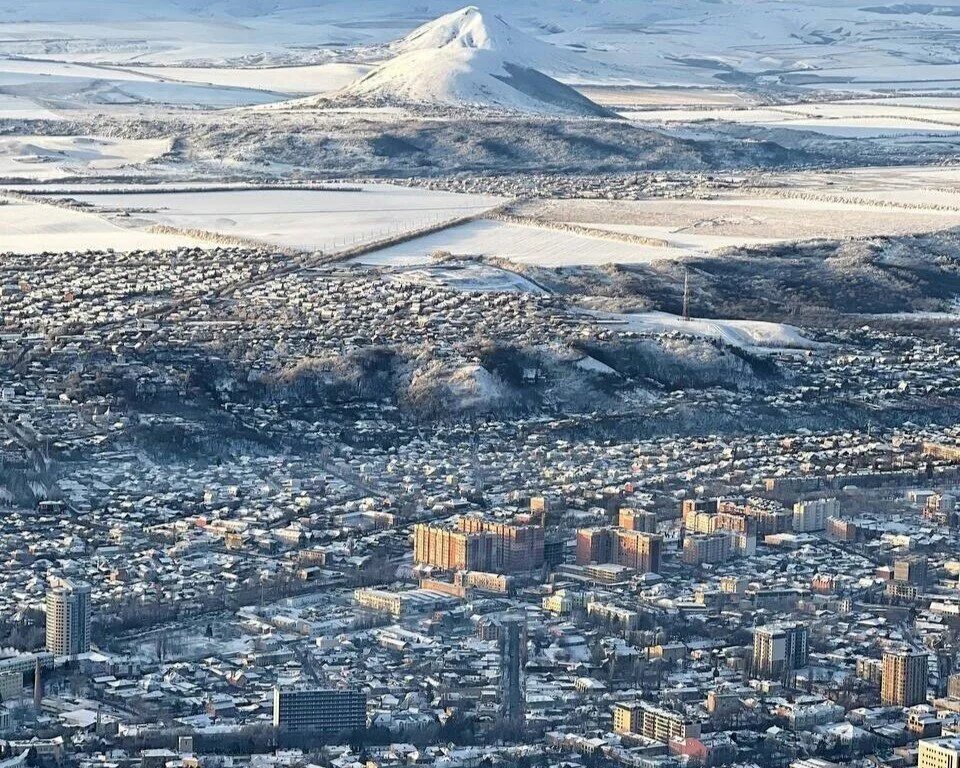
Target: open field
x,y
771,208
52,157
920,188
32,227
302,80
746,219
842,204
298,219
628,97
518,243
21,108
845,119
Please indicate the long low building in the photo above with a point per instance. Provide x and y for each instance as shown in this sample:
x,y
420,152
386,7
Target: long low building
x,y
411,601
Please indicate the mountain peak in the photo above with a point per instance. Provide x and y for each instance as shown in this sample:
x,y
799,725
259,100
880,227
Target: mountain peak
x,y
466,28
467,59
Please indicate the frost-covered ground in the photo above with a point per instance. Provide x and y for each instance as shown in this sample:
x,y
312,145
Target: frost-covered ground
x,y
858,202
54,157
821,43
308,79
846,119
465,276
518,243
33,227
740,333
838,45
298,219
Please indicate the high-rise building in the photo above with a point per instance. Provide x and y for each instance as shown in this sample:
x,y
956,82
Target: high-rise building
x,y
539,508
478,544
653,722
771,521
939,753
68,618
911,569
595,545
512,652
631,549
515,547
812,515
638,550
699,548
627,717
904,681
317,709
641,520
778,649
953,687
708,506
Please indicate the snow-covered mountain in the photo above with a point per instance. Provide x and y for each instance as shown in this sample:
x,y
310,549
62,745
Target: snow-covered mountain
x,y
470,59
471,28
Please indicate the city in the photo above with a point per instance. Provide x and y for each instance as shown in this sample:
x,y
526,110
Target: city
x,y
541,383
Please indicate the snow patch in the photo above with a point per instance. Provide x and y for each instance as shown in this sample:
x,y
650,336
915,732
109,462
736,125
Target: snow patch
x,y
738,333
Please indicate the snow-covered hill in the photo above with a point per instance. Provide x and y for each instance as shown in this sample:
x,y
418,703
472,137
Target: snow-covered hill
x,y
473,28
470,59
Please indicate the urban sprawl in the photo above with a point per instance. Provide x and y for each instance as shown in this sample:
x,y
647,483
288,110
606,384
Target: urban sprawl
x,y
241,571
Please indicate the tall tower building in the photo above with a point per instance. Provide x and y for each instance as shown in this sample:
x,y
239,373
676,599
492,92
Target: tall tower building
x,y
633,549
813,515
911,569
640,551
37,686
477,544
512,651
68,618
778,649
904,682
323,710
640,520
595,545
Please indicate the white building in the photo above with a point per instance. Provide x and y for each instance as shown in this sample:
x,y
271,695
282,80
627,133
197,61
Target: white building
x,y
812,515
939,753
68,618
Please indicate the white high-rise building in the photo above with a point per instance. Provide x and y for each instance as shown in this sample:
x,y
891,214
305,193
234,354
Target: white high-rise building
x,y
779,649
812,515
68,618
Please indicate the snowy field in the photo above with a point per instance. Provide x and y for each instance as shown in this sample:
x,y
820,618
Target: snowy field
x,y
519,243
801,206
39,158
50,89
850,118
816,44
29,227
23,108
741,333
319,78
626,98
306,220
913,189
796,206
